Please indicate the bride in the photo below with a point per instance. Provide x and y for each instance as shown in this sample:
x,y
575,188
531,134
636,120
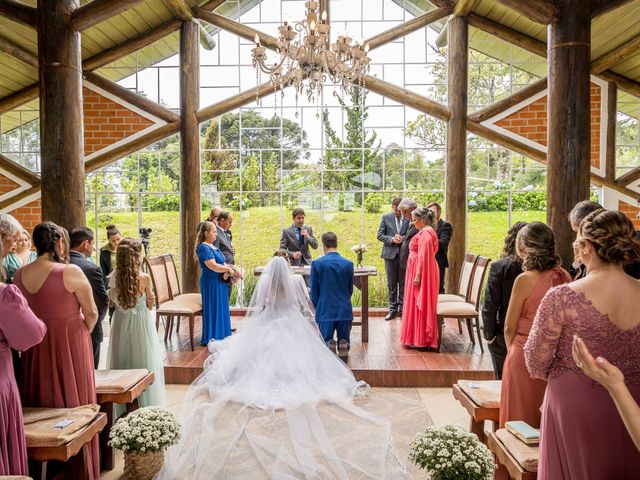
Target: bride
x,y
274,402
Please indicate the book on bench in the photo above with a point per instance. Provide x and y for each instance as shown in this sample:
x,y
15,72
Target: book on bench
x,y
524,431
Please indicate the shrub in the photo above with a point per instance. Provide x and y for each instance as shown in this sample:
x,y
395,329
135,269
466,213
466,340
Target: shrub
x,y
373,203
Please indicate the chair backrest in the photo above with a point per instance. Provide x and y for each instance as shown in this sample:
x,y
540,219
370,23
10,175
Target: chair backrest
x,y
158,273
172,275
466,275
479,272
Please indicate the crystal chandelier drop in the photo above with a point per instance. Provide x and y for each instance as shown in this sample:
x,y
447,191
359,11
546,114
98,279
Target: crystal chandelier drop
x,y
306,65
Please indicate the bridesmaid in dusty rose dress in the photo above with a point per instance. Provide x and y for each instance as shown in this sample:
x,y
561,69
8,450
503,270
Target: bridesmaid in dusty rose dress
x,y
20,329
521,396
59,371
421,285
582,435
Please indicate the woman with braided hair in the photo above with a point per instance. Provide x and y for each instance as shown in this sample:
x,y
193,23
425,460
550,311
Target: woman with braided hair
x,y
58,372
133,342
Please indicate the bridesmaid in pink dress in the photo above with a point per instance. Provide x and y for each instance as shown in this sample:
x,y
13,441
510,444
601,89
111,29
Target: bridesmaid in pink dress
x,y
421,285
59,371
521,396
20,329
582,435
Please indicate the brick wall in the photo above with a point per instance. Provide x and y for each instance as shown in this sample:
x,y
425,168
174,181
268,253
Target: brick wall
x,y
630,211
107,122
531,122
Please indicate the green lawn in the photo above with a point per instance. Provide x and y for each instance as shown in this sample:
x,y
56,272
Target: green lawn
x,y
260,232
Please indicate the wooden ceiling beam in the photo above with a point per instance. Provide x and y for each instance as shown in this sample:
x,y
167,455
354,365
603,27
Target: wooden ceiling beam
x,y
407,27
19,171
508,102
407,97
18,98
11,201
616,56
133,98
600,7
630,177
18,52
623,83
614,185
212,5
463,7
131,146
180,9
97,11
539,11
19,12
236,101
236,28
509,35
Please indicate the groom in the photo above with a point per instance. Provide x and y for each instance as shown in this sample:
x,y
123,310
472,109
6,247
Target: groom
x,y
331,288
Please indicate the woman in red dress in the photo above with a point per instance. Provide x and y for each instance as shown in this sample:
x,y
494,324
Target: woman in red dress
x,y
421,284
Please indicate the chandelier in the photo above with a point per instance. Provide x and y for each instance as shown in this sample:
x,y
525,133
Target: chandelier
x,y
308,61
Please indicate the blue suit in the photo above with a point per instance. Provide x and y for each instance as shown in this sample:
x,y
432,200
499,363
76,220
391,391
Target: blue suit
x,y
331,288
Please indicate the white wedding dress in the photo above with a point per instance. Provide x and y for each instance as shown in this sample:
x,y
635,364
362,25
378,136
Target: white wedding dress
x,y
274,402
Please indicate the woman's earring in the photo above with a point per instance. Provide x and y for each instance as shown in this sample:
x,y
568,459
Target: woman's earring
x,y
584,252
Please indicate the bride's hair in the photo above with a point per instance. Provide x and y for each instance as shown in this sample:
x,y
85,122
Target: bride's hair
x,y
282,253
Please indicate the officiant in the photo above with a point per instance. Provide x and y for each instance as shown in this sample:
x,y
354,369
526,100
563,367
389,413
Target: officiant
x,y
297,239
392,230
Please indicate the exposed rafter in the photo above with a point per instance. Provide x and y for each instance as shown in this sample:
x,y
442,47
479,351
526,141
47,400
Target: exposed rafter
x,y
133,98
180,9
19,171
508,102
407,27
97,11
600,7
11,201
540,11
509,35
616,56
236,101
19,12
630,177
623,83
18,98
237,28
18,52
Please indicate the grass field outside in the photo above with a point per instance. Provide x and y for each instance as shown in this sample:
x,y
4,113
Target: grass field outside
x,y
256,234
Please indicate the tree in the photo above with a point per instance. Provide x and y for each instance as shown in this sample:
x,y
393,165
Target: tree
x,y
359,154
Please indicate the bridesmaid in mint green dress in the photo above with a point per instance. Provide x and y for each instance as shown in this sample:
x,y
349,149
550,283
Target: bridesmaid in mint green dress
x,y
133,342
23,255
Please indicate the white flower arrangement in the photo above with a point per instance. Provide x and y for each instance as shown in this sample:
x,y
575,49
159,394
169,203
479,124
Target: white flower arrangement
x,y
360,249
451,453
146,430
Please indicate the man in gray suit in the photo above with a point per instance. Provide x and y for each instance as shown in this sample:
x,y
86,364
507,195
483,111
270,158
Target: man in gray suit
x,y
407,206
223,242
297,239
393,228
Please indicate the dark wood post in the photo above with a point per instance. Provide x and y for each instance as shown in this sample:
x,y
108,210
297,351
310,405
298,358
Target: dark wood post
x,y
61,132
190,205
456,173
612,119
569,150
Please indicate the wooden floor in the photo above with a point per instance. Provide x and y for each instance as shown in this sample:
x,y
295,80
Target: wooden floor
x,y
383,362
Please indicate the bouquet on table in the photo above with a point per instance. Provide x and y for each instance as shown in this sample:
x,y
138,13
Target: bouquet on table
x,y
451,453
359,250
234,276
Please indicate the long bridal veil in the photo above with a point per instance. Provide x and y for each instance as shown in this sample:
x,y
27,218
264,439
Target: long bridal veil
x,y
274,402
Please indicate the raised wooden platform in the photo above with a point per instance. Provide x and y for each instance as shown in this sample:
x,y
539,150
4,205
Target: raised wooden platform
x,y
383,362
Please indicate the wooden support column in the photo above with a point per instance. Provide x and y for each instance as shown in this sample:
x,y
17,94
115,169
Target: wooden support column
x,y
569,133
612,120
456,173
190,206
61,132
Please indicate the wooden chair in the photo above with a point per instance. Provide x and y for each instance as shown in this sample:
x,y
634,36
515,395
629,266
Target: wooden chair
x,y
123,387
464,284
174,286
520,459
482,400
59,445
467,311
166,306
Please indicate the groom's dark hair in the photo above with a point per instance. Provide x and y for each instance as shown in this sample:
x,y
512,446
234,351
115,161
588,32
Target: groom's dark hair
x,y
330,240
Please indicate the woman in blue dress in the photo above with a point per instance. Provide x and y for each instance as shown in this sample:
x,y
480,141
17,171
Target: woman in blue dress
x,y
216,320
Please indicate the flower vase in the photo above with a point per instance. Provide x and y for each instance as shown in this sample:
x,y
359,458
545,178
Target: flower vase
x,y
141,465
359,260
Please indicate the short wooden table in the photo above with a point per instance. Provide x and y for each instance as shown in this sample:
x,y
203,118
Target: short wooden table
x,y
514,455
107,397
361,281
484,406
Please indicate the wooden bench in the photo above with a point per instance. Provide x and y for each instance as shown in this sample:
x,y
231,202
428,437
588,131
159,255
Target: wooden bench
x,y
123,387
61,445
520,459
482,400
